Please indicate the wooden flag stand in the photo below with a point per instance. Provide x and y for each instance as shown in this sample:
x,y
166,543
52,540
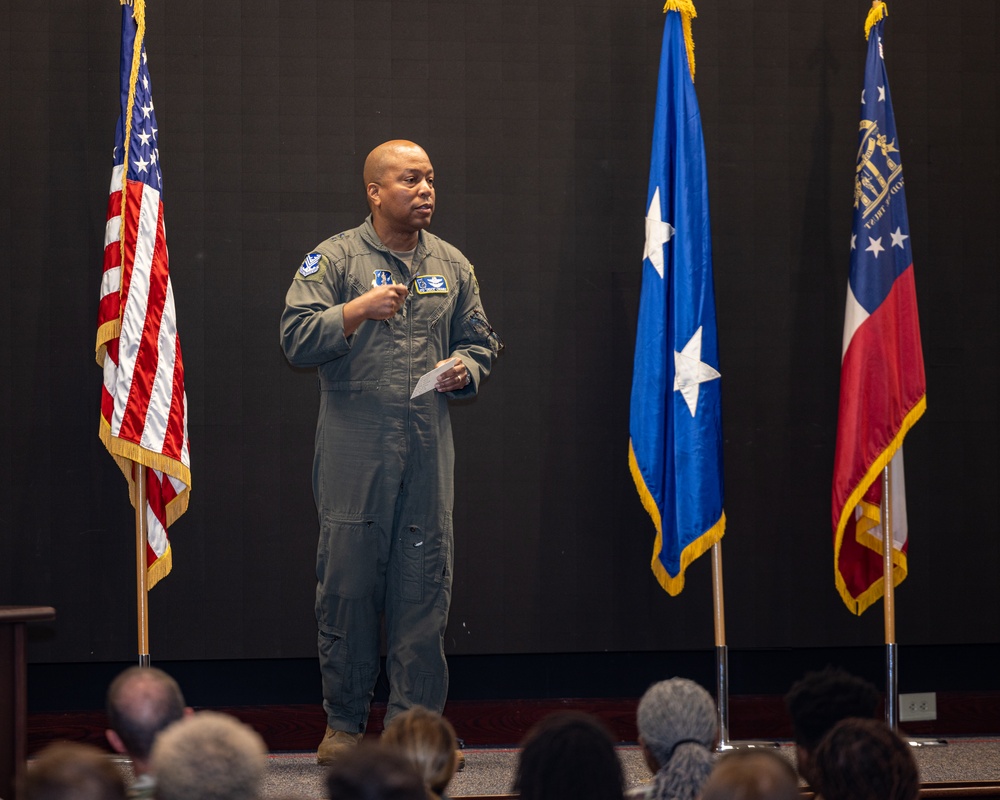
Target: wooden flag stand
x,y
722,662
889,606
141,535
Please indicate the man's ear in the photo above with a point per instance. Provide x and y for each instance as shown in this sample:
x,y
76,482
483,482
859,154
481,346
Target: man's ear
x,y
115,741
373,195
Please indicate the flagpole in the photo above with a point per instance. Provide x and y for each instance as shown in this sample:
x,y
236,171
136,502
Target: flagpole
x,y
722,661
141,535
721,652
889,605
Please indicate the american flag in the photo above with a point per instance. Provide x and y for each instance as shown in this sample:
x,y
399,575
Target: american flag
x,y
882,386
143,404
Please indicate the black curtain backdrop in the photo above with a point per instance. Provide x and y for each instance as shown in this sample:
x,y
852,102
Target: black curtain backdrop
x,y
538,117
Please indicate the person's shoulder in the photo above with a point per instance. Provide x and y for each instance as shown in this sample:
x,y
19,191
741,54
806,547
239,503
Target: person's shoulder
x,y
446,251
342,243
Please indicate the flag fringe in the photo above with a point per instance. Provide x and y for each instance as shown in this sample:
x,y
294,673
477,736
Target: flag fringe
x,y
674,584
878,12
671,584
645,495
160,568
139,15
687,11
109,331
127,453
857,605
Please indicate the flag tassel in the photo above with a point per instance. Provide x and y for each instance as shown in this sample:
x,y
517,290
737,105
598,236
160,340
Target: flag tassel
x,y
878,12
687,11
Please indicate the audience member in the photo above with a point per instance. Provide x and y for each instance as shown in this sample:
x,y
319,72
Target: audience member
x,y
427,740
70,771
751,775
678,728
370,772
863,759
819,701
208,756
569,756
141,702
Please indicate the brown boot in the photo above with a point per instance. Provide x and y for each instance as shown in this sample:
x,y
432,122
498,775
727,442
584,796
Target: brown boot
x,y
334,744
459,761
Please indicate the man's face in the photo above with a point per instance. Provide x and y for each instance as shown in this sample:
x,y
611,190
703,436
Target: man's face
x,y
403,196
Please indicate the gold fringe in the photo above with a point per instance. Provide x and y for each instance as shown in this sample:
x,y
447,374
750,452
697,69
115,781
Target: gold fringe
x,y
127,453
687,11
648,502
860,604
159,568
111,329
700,546
878,12
139,15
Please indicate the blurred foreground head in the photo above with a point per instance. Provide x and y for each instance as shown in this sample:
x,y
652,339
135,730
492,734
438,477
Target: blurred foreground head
x,y
864,759
752,775
427,740
373,772
569,756
208,756
70,771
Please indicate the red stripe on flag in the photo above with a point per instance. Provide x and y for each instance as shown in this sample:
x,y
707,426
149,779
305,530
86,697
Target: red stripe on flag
x,y
173,440
882,380
148,356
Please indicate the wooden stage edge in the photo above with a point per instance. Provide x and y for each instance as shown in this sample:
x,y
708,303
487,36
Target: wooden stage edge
x,y
503,723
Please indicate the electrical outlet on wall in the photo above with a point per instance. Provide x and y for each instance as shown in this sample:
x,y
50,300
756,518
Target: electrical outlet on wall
x,y
917,706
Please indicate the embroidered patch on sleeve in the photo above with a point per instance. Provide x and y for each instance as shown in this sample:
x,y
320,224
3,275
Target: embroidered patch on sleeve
x,y
431,284
313,268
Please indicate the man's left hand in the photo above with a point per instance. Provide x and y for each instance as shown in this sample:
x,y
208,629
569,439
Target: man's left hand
x,y
452,380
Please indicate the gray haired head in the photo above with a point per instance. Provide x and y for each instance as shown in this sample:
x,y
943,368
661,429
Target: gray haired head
x,y
677,724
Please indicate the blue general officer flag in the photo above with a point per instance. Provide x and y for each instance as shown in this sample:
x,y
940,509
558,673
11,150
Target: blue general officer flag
x,y
675,448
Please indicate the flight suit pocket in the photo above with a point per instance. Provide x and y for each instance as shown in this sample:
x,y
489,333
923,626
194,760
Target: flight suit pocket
x,y
417,554
347,557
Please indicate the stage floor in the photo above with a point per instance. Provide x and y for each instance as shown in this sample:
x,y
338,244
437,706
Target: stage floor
x,y
490,771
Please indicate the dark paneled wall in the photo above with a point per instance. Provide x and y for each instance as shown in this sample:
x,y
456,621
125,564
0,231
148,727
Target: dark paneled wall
x,y
537,116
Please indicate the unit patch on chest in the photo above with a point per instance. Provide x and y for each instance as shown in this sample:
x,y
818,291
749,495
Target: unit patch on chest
x,y
431,284
382,278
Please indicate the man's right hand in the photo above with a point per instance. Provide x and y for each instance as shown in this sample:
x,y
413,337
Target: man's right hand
x,y
379,302
382,302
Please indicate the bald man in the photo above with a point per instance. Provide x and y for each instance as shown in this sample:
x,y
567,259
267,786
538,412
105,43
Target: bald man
x,y
373,309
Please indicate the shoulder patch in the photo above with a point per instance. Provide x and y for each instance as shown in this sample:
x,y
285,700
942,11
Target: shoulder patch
x,y
431,284
313,268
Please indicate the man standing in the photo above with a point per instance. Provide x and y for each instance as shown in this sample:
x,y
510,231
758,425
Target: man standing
x,y
374,309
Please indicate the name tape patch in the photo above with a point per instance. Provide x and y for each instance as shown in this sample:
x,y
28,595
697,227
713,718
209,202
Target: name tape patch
x,y
431,284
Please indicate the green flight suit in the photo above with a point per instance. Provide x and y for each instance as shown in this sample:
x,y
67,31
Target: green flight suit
x,y
383,474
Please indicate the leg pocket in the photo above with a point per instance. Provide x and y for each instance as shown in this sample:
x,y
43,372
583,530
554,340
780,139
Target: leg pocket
x,y
415,552
347,562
